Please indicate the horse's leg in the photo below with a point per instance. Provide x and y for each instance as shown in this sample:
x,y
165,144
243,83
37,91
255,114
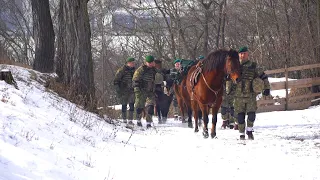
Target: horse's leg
x,y
164,108
182,108
214,118
200,116
194,107
204,109
215,110
190,117
214,123
157,110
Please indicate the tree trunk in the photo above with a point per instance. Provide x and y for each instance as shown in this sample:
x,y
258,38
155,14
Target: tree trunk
x,y
223,23
43,36
258,31
219,25
6,75
207,17
74,57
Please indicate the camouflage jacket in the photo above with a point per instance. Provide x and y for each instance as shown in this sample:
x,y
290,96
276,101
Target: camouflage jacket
x,y
249,71
123,78
229,88
176,76
144,78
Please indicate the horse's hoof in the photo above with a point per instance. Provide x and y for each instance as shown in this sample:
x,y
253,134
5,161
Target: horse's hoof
x,y
205,134
213,135
196,130
190,125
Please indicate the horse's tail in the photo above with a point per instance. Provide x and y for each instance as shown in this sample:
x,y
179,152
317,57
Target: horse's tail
x,y
144,113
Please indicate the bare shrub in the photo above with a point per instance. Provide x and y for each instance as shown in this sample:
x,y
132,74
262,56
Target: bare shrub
x,y
109,112
5,60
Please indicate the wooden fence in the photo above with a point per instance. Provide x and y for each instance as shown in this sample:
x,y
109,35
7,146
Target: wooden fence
x,y
290,102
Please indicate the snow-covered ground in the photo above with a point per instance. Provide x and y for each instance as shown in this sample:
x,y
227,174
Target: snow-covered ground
x,y
43,136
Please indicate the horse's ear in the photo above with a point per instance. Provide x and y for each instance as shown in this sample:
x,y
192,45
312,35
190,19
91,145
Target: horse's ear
x,y
233,53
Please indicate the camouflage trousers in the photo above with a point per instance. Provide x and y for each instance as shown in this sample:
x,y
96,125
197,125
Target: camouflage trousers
x,y
126,97
145,99
227,109
243,107
176,110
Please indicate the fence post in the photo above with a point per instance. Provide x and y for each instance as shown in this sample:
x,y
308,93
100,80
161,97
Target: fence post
x,y
286,86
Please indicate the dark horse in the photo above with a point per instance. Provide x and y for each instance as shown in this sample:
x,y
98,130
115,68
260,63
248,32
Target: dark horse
x,y
163,101
183,99
204,85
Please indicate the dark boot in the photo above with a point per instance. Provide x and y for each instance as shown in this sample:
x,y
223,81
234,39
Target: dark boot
x,y
242,137
164,120
130,115
250,135
236,127
139,116
149,126
225,123
231,125
160,121
130,124
139,123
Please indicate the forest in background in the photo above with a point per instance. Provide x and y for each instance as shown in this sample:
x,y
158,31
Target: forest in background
x,y
85,41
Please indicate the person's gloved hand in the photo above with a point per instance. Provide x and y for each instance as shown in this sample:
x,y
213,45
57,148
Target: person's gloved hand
x,y
266,92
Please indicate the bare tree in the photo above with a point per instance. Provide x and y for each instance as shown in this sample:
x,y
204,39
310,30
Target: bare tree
x,y
74,58
43,36
15,30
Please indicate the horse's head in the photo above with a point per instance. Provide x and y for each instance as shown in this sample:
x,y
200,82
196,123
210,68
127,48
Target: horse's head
x,y
232,65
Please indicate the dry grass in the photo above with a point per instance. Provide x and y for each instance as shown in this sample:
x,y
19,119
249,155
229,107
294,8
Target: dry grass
x,y
63,90
11,62
294,92
110,112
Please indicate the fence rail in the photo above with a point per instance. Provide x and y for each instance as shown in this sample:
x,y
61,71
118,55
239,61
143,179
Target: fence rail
x,y
291,103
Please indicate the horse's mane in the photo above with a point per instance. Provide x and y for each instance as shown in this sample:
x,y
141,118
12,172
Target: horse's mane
x,y
217,59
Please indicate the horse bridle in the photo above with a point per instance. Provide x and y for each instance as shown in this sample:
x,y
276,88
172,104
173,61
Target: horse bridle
x,y
231,72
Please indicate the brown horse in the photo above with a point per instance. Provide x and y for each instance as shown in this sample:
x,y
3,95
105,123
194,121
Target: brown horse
x,y
183,98
204,85
184,101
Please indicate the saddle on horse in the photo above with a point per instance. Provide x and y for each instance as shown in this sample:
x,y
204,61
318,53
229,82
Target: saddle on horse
x,y
195,74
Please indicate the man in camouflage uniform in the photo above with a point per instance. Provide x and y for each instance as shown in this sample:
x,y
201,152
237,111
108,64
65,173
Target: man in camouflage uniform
x,y
175,75
144,84
227,109
124,88
245,98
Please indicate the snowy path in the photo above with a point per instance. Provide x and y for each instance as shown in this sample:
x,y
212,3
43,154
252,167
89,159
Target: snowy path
x,y
286,150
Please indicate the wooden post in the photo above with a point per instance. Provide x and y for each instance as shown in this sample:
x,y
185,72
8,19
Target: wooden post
x,y
286,86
